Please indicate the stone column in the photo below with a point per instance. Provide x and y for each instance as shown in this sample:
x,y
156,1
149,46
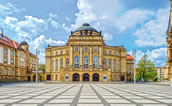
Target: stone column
x,y
91,60
71,56
100,56
80,62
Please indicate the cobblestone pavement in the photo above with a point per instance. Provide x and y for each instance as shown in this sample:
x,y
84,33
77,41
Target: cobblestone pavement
x,y
85,95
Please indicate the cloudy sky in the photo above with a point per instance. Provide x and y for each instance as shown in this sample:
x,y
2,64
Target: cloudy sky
x,y
136,24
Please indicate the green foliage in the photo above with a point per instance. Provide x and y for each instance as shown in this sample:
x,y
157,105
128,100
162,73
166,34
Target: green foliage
x,y
40,77
42,67
146,70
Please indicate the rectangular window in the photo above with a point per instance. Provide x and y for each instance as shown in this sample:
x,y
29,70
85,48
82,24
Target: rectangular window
x,y
56,64
52,65
67,63
61,63
110,64
5,51
104,63
114,65
118,65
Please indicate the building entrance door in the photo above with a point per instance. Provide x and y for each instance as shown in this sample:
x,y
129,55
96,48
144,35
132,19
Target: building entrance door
x,y
122,78
85,77
28,78
95,77
75,77
48,77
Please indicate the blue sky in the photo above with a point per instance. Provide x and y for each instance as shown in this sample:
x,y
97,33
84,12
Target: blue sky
x,y
136,24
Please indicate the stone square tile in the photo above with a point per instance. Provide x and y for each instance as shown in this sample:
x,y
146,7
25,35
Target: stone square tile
x,y
61,101
9,100
154,105
123,105
110,97
24,105
67,97
117,101
89,101
143,101
2,97
88,97
2,104
33,101
42,97
165,100
90,105
57,105
21,97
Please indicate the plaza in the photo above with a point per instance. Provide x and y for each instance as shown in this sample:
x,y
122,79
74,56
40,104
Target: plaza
x,y
84,94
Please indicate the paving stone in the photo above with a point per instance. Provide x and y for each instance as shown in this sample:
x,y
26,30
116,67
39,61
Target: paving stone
x,y
57,105
33,101
117,101
165,100
90,105
123,105
9,100
144,101
24,105
89,101
61,101
88,97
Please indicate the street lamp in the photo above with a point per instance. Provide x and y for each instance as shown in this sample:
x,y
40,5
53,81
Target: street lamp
x,y
37,53
134,55
1,32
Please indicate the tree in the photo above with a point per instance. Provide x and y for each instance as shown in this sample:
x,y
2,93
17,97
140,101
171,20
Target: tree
x,y
42,67
146,70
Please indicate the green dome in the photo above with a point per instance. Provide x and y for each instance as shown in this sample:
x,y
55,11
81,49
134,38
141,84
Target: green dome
x,y
87,27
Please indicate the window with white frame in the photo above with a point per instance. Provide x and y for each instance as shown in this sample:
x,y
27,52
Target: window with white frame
x,y
95,62
61,63
67,63
104,63
110,64
76,62
85,61
114,65
56,64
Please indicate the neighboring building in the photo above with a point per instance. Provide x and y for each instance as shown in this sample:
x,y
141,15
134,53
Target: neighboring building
x,y
162,73
85,57
16,62
169,47
130,67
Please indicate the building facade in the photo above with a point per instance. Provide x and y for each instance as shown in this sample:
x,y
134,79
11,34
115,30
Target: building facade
x,y
162,73
16,61
169,47
86,57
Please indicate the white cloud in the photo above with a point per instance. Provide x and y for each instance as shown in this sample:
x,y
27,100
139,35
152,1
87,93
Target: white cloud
x,y
107,15
107,36
41,41
28,28
153,33
8,9
158,56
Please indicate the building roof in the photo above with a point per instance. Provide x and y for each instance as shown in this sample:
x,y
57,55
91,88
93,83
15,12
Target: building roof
x,y
7,41
87,27
129,57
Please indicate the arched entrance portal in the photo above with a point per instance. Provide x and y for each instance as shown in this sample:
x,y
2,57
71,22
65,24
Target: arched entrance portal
x,y
76,77
85,77
95,77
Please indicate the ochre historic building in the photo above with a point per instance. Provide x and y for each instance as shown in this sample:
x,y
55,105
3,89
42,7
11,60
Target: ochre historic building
x,y
86,57
16,62
169,47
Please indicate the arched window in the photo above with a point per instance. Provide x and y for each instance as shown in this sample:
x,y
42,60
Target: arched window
x,y
5,71
85,61
61,63
114,65
67,63
56,64
95,62
86,48
12,71
76,62
104,63
110,64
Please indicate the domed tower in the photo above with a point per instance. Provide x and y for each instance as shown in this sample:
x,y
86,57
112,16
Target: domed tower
x,y
169,46
24,45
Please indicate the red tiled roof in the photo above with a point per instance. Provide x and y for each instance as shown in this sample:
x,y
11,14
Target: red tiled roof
x,y
9,42
129,57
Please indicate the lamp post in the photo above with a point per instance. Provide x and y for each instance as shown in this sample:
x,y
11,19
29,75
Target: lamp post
x,y
134,55
1,32
37,53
